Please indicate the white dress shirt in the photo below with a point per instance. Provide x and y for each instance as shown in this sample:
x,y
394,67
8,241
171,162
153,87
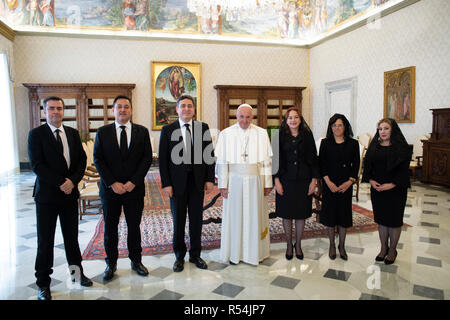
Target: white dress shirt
x,y
62,134
127,130
183,130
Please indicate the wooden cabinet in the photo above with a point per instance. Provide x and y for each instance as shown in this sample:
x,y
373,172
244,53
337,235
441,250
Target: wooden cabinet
x,y
88,106
436,150
269,103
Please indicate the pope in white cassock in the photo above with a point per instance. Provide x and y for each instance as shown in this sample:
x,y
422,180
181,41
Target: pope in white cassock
x,y
244,172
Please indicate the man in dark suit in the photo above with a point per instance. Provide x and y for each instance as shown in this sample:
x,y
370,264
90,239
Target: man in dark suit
x,y
186,165
58,160
122,156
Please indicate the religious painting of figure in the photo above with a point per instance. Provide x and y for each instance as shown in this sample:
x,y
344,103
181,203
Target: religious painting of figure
x,y
399,94
169,81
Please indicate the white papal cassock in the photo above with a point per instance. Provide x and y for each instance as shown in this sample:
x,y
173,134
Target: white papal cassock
x,y
244,167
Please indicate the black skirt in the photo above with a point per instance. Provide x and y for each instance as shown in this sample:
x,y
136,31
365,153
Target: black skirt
x,y
389,206
336,208
295,202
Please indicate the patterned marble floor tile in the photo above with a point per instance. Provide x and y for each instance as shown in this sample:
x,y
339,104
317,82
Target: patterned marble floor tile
x,y
285,282
428,292
228,289
167,295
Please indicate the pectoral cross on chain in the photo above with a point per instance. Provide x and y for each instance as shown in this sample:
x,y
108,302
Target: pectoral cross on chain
x,y
244,153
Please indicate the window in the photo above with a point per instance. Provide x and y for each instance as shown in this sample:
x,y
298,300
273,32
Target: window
x,y
7,145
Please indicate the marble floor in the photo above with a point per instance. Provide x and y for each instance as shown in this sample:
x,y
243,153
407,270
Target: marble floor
x,y
421,271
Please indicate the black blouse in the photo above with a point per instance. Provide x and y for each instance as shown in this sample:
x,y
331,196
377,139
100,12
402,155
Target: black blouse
x,y
387,165
297,157
339,161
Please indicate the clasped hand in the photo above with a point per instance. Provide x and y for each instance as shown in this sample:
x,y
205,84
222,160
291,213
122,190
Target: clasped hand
x,y
121,188
67,186
381,187
341,189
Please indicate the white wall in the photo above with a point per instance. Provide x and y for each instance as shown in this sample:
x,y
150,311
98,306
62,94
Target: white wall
x,y
417,35
55,59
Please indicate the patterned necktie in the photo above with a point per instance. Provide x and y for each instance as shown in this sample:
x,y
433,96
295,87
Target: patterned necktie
x,y
123,141
59,141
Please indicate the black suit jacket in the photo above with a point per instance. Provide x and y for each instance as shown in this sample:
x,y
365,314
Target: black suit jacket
x,y
175,174
113,168
50,166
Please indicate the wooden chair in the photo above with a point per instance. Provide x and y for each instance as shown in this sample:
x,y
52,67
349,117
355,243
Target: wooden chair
x,y
89,193
365,139
362,154
88,186
417,158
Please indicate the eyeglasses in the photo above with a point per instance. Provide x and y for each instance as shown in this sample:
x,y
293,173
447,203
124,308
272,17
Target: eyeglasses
x,y
337,125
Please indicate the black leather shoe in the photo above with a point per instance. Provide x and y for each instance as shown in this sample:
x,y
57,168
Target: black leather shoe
x,y
199,262
331,254
84,281
343,254
139,268
381,258
178,266
387,261
44,293
289,256
299,256
109,272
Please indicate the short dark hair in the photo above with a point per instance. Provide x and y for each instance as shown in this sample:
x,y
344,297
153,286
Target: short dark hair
x,y
185,96
52,98
122,97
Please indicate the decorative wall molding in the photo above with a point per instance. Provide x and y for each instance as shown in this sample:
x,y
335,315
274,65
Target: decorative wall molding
x,y
350,85
6,31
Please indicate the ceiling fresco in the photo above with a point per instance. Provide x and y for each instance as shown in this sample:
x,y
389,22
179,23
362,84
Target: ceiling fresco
x,y
285,22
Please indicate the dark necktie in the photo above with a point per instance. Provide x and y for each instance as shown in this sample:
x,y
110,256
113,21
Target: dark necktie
x,y
123,141
59,141
189,151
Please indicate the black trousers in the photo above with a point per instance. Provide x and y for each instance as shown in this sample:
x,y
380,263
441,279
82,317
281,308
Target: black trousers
x,y
190,203
46,217
112,209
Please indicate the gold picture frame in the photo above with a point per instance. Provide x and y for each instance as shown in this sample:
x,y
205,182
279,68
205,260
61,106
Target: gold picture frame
x,y
169,80
399,94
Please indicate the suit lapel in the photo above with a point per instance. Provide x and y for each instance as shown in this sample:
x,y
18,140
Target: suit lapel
x,y
71,144
133,137
113,134
51,138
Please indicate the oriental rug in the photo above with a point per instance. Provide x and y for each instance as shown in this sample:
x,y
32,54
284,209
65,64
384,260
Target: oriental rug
x,y
157,228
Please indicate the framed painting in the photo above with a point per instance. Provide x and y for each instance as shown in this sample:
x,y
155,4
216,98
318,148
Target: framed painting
x,y
169,80
399,94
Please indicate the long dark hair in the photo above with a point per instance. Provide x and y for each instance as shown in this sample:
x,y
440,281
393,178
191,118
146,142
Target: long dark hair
x,y
401,150
284,128
348,132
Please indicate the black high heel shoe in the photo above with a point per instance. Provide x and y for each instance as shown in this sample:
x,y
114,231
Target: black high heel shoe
x,y
379,259
387,261
290,256
343,254
299,256
332,256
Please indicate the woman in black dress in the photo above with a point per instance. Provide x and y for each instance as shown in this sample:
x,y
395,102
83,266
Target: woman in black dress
x,y
296,179
339,164
386,169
